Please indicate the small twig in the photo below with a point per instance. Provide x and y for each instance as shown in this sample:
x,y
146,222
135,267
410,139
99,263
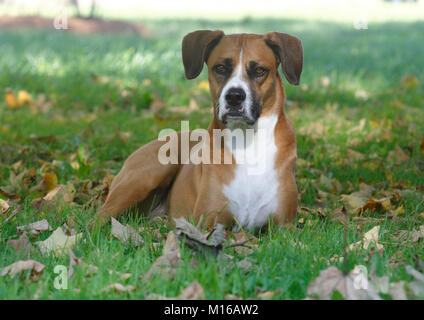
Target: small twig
x,y
238,244
210,233
345,264
244,233
14,213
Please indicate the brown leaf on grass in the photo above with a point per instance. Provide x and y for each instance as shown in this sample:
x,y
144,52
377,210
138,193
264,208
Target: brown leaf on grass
x,y
370,237
418,234
204,243
69,231
126,234
246,265
410,235
46,184
341,215
266,295
119,288
194,291
4,206
417,286
397,291
122,276
242,236
74,261
19,182
166,263
410,81
351,286
245,250
422,146
36,228
61,194
380,284
358,199
230,296
377,204
355,155
58,243
397,156
35,267
21,244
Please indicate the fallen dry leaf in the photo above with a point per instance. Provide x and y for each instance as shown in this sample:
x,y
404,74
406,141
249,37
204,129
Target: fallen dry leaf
x,y
24,98
74,261
122,276
35,228
46,184
397,291
204,243
4,206
194,291
126,234
10,99
358,199
21,244
117,287
369,237
397,156
417,286
351,286
61,194
166,263
58,242
35,267
266,295
245,264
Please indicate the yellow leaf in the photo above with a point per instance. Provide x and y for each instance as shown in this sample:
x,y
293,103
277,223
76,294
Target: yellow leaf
x,y
5,129
10,99
399,211
146,82
203,85
50,180
24,98
410,81
358,199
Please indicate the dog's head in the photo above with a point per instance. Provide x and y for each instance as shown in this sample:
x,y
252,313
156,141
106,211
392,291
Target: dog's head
x,y
242,69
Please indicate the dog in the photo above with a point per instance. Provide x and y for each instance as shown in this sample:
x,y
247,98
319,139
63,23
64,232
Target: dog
x,y
247,94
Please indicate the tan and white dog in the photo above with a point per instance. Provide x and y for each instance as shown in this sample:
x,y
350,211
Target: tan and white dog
x,y
247,93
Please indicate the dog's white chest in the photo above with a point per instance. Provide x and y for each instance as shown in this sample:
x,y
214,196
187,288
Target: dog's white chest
x,y
252,194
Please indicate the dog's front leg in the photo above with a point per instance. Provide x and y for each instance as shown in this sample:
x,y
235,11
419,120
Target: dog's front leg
x,y
141,174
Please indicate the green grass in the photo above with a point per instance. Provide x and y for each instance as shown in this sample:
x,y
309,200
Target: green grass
x,y
87,116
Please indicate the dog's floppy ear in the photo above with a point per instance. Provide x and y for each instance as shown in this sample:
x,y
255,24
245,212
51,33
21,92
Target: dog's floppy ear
x,y
196,48
289,52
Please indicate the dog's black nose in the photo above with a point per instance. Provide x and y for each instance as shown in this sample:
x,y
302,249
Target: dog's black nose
x,y
235,96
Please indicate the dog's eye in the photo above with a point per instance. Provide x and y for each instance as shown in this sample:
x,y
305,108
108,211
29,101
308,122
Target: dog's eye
x,y
220,69
259,71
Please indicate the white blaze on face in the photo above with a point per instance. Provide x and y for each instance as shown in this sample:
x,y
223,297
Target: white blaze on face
x,y
236,81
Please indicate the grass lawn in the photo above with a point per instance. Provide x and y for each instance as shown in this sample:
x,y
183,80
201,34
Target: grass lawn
x,y
359,117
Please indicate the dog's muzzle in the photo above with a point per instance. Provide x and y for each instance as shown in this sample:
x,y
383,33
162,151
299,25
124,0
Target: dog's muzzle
x,y
235,106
